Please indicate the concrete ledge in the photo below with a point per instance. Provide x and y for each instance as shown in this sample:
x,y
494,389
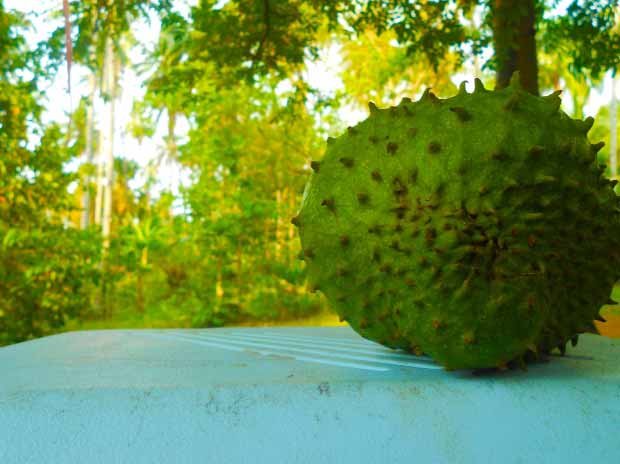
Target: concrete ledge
x,y
295,395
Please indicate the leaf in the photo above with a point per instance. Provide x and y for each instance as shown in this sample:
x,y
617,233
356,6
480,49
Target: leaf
x,y
9,239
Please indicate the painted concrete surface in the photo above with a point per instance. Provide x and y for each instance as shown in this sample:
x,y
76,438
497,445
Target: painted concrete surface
x,y
295,395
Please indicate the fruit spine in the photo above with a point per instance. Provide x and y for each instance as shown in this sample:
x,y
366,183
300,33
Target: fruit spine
x,y
478,229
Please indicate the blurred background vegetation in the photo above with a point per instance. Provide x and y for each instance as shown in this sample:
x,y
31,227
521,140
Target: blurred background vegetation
x,y
230,99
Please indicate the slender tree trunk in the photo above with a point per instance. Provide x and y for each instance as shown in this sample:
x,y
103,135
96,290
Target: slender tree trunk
x,y
503,41
144,262
477,68
579,101
476,20
239,276
109,156
527,58
172,144
267,239
107,182
286,233
239,262
100,170
103,89
90,151
555,78
278,243
140,292
514,40
104,131
219,289
291,228
613,128
101,152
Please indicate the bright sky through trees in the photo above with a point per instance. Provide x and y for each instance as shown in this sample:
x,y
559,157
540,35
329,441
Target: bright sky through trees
x,y
61,103
323,74
181,216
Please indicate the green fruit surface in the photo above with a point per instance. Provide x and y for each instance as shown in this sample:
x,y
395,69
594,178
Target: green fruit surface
x,y
477,229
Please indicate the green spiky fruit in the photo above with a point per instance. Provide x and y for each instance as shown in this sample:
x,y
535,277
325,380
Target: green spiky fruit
x,y
477,229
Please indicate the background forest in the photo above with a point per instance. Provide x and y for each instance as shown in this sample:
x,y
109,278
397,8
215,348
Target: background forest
x,y
176,212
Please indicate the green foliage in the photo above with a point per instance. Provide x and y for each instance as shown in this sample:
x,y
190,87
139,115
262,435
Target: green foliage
x,y
46,269
223,250
46,277
588,33
427,28
377,69
250,39
167,60
600,131
247,186
95,21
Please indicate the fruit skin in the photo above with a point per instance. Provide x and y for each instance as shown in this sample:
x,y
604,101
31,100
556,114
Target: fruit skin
x,y
477,229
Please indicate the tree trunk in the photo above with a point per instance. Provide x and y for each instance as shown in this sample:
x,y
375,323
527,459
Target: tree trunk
x,y
106,182
140,292
239,276
109,155
101,149
579,101
613,128
476,20
219,289
514,40
267,239
90,152
288,232
144,262
172,143
100,170
278,235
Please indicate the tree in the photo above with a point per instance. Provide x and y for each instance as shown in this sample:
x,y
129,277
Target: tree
x,y
46,269
250,149
512,27
555,74
101,28
248,39
431,28
162,85
137,240
235,73
377,69
89,149
613,129
603,130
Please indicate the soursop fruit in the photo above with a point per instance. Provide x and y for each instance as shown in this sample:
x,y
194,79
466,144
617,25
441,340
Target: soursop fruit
x,y
476,229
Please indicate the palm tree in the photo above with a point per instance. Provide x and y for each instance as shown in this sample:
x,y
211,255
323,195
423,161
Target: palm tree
x,y
164,65
142,237
613,129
